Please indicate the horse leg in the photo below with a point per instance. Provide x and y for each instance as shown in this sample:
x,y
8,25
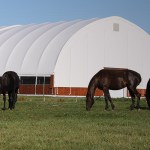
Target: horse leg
x,y
106,102
9,100
4,99
110,100
16,97
138,95
13,99
133,99
108,97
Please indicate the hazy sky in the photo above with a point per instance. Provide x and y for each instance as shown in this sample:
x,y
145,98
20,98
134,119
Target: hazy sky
x,y
14,12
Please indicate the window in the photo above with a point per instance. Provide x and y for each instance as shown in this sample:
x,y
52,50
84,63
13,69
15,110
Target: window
x,y
47,80
115,27
32,80
40,80
28,80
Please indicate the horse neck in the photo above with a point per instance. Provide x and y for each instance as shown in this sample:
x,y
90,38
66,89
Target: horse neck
x,y
91,89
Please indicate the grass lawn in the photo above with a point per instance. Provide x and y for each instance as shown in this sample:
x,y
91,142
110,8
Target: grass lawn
x,y
64,124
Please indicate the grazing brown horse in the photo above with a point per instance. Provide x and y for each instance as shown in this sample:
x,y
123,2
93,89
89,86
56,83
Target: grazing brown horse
x,y
9,83
114,79
147,95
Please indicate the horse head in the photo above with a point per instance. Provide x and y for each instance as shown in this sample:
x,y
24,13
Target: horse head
x,y
89,101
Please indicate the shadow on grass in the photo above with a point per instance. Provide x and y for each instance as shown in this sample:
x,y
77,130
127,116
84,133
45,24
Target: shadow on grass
x,y
144,108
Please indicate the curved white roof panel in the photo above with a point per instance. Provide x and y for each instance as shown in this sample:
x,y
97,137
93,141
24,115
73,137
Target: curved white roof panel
x,y
72,50
33,49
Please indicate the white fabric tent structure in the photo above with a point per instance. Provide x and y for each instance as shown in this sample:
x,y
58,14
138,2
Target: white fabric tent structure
x,y
34,49
74,51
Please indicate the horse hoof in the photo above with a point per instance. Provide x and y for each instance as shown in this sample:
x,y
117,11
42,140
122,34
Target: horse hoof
x,y
113,107
132,107
88,109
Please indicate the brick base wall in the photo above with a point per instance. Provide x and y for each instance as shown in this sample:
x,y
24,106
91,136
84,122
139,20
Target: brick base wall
x,y
32,89
64,91
82,91
47,90
141,91
74,91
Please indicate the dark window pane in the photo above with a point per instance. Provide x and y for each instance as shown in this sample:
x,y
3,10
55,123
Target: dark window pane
x,y
47,80
28,80
32,80
40,80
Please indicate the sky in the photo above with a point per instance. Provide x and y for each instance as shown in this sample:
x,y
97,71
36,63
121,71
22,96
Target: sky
x,y
14,12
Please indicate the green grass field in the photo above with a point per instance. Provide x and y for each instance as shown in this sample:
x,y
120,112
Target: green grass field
x,y
64,124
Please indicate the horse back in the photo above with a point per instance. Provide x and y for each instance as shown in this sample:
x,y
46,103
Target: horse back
x,y
116,79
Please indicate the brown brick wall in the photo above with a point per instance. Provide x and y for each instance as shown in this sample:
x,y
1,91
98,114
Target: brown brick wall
x,y
66,91
32,89
40,89
141,91
27,89
74,91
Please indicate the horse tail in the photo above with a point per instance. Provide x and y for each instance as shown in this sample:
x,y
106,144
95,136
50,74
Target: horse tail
x,y
147,95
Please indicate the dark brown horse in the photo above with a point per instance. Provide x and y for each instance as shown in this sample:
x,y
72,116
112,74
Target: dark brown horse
x,y
9,83
113,79
147,95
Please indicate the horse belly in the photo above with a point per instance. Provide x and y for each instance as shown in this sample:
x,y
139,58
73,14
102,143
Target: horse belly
x,y
117,84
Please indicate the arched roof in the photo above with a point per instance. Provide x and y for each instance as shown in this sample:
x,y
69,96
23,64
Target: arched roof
x,y
33,49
